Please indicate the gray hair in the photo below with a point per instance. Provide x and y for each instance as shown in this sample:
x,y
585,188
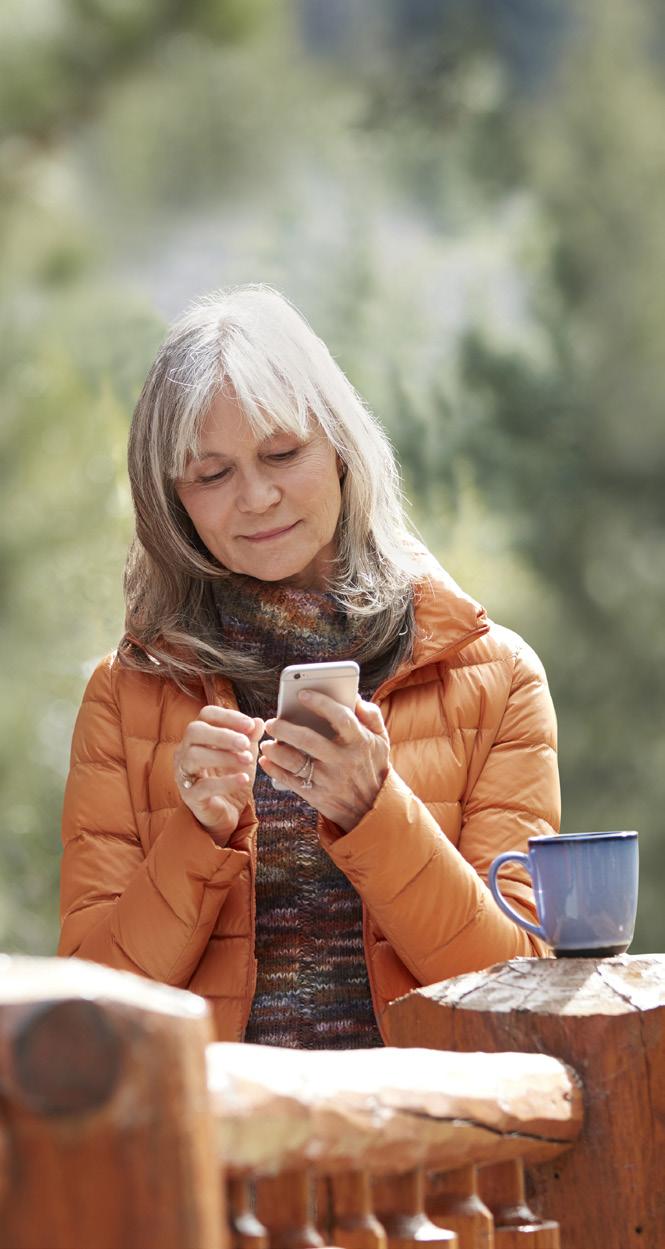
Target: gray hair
x,y
251,341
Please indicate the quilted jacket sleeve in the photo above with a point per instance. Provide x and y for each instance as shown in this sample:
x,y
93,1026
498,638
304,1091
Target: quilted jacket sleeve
x,y
151,914
430,898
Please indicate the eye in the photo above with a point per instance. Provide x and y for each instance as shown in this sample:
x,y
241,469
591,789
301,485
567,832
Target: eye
x,y
206,481
284,455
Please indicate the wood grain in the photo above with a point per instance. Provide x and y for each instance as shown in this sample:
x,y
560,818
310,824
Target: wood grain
x,y
387,1111
604,1017
399,1201
105,1109
452,1200
285,1206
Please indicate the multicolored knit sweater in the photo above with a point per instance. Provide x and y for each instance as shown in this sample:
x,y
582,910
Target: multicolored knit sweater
x,y
312,989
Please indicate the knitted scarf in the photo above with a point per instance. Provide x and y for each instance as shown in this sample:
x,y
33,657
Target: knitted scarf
x,y
312,988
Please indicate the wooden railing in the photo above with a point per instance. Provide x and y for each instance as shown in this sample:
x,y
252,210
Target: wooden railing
x,y
288,1117
123,1127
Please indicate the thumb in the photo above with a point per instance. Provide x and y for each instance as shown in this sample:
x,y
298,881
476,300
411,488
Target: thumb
x,y
370,717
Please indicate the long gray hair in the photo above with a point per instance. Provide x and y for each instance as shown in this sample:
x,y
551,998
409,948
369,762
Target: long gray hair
x,y
253,342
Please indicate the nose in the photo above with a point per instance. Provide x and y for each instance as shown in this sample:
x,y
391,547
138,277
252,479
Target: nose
x,y
256,493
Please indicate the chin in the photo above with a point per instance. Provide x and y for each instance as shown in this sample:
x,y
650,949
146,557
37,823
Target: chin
x,y
275,570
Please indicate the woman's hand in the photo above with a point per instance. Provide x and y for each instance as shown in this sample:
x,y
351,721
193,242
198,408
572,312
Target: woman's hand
x,y
346,773
217,756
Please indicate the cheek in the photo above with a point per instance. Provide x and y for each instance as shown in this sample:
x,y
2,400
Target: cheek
x,y
335,503
324,495
207,520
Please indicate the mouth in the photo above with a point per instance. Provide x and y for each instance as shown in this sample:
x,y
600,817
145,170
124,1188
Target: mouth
x,y
267,535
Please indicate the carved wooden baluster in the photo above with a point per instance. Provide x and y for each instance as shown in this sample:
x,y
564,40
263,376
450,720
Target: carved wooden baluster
x,y
399,1202
284,1206
5,1158
515,1225
323,1206
452,1200
246,1231
354,1226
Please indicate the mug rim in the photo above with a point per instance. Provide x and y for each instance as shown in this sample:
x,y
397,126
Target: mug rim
x,y
557,838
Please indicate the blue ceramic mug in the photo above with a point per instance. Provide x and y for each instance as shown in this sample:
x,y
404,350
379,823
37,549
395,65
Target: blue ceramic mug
x,y
585,886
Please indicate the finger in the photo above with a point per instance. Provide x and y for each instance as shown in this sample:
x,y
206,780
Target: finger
x,y
196,758
218,805
206,788
227,717
285,756
307,741
198,733
282,777
258,730
341,719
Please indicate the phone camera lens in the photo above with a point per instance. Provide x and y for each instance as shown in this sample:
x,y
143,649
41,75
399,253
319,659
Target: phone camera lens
x,y
296,676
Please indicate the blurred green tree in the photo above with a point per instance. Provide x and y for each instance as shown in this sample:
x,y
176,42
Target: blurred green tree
x,y
566,440
74,348
375,179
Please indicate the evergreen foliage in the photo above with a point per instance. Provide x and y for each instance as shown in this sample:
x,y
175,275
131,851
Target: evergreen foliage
x,y
465,199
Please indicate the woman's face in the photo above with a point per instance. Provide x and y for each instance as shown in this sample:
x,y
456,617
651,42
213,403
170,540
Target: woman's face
x,y
265,507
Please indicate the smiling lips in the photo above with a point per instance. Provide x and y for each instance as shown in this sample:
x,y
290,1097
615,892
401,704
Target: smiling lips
x,y
268,533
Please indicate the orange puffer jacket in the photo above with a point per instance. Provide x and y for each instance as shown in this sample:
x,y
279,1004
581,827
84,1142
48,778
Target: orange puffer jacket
x,y
473,772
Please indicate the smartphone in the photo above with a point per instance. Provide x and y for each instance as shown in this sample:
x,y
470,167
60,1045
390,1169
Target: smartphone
x,y
338,679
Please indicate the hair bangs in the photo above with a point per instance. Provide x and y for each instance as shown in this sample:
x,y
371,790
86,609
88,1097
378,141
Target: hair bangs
x,y
272,395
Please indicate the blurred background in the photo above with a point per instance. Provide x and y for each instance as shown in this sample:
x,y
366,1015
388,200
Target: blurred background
x,y
465,198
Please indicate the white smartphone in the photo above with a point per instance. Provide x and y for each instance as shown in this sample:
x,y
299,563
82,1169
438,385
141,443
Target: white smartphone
x,y
338,679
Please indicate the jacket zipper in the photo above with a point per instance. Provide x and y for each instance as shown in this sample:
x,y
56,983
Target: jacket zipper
x,y
386,688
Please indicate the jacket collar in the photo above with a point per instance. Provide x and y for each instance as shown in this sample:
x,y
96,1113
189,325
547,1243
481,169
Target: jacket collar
x,y
447,618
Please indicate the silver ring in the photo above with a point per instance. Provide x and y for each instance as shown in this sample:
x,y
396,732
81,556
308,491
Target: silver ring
x,y
306,782
305,763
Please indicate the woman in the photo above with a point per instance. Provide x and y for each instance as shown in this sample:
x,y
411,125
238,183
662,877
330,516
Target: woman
x,y
269,531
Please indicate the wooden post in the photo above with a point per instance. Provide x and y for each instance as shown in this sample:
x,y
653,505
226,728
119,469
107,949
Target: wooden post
x,y
284,1205
354,1226
106,1106
452,1200
399,1201
606,1018
246,1231
515,1225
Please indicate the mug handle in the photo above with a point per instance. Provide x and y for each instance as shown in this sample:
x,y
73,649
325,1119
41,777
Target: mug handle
x,y
511,856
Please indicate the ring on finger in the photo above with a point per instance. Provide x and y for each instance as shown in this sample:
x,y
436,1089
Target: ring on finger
x,y
187,779
306,781
307,759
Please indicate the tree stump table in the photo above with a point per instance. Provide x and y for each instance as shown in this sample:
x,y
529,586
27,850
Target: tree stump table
x,y
604,1017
